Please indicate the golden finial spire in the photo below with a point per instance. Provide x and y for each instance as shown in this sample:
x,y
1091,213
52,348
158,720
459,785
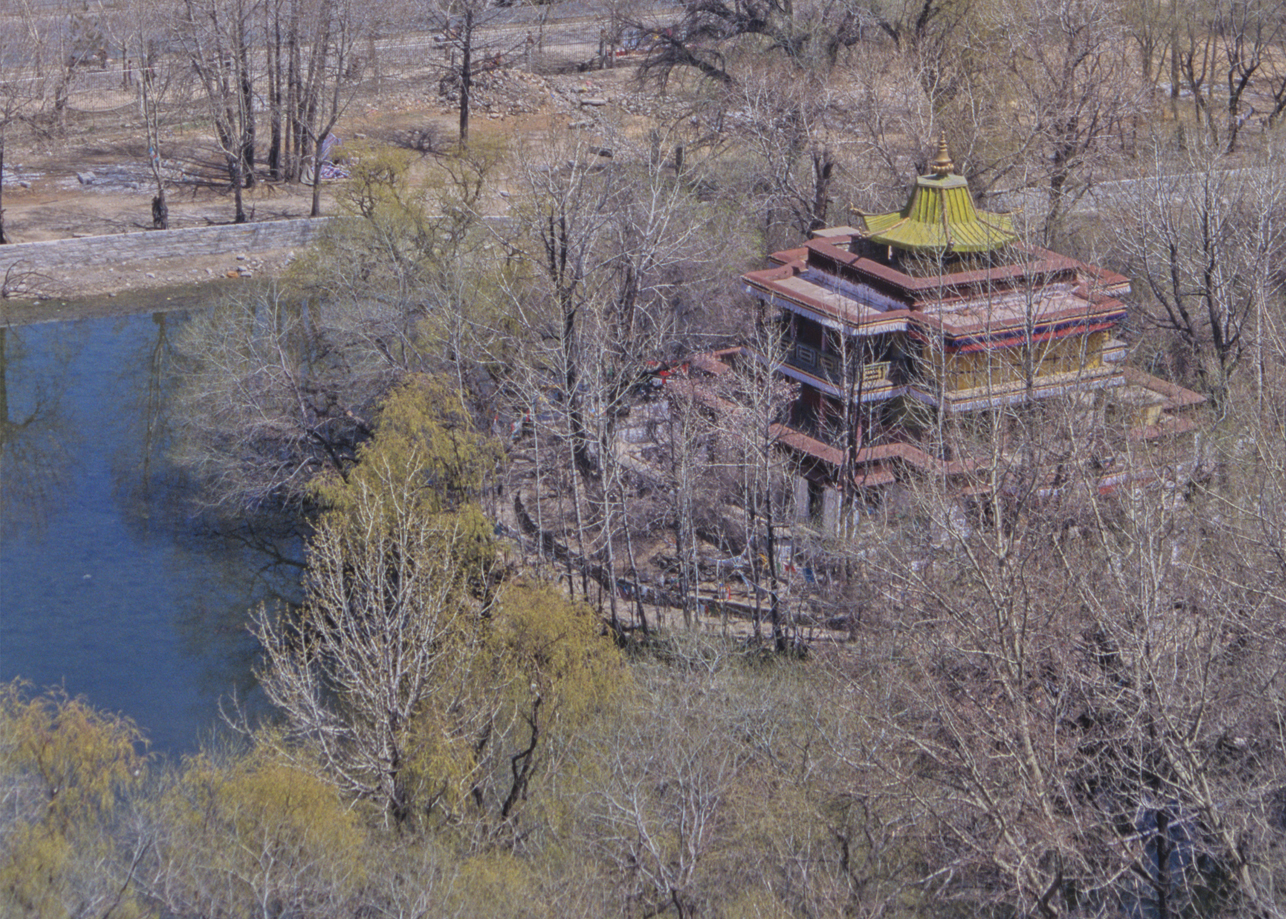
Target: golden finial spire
x,y
942,165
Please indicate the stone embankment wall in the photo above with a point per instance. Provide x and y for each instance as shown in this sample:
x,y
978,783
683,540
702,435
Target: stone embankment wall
x,y
189,242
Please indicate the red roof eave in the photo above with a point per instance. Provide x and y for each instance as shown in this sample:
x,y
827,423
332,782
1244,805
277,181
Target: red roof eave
x,y
1070,331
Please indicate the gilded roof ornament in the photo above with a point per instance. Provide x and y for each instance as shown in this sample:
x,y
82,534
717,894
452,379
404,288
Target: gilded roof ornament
x,y
942,165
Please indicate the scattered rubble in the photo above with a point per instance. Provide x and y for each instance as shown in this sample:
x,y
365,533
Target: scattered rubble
x,y
112,178
16,176
499,92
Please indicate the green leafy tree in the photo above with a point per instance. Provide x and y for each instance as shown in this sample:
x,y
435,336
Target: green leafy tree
x,y
253,835
415,678
64,768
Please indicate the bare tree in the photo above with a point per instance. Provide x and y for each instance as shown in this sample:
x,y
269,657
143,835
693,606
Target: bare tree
x,y
161,88
939,39
660,819
418,678
264,413
609,241
20,86
218,38
1076,93
376,669
705,36
297,73
752,435
793,133
386,627
62,38
690,458
1054,657
34,59
337,26
312,72
1236,44
277,392
1150,25
1250,38
472,47
1202,243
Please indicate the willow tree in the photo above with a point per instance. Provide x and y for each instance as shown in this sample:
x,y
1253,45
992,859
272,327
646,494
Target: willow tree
x,y
64,771
252,835
413,674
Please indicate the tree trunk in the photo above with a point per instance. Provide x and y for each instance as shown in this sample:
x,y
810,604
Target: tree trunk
x,y
234,169
1235,92
317,177
823,171
3,238
247,116
609,537
634,574
274,96
774,609
580,531
751,527
61,95
294,90
466,75
160,209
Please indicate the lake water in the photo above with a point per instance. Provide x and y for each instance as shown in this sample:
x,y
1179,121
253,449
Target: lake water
x,y
109,585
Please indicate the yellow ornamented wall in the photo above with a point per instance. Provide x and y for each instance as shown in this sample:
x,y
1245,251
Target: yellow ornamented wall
x,y
1006,366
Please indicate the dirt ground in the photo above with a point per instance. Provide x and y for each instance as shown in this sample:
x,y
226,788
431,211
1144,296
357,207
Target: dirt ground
x,y
91,179
93,182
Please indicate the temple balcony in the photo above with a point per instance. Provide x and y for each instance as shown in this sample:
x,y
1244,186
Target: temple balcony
x,y
826,372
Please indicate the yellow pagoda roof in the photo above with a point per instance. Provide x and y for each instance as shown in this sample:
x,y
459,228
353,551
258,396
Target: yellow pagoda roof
x,y
940,216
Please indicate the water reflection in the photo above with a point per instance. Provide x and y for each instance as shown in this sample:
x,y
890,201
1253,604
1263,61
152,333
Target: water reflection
x,y
38,448
108,583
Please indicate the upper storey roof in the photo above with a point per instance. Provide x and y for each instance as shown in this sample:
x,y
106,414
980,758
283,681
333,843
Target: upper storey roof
x,y
838,278
940,216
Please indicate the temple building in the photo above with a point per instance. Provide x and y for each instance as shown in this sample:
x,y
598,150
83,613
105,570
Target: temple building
x,y
900,328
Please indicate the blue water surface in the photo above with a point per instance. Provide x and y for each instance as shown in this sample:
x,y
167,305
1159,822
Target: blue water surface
x,y
110,585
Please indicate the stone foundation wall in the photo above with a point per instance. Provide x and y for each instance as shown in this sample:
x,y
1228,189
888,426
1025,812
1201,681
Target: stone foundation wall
x,y
158,244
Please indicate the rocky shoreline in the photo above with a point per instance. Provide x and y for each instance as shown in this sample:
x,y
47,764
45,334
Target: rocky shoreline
x,y
145,285
121,302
